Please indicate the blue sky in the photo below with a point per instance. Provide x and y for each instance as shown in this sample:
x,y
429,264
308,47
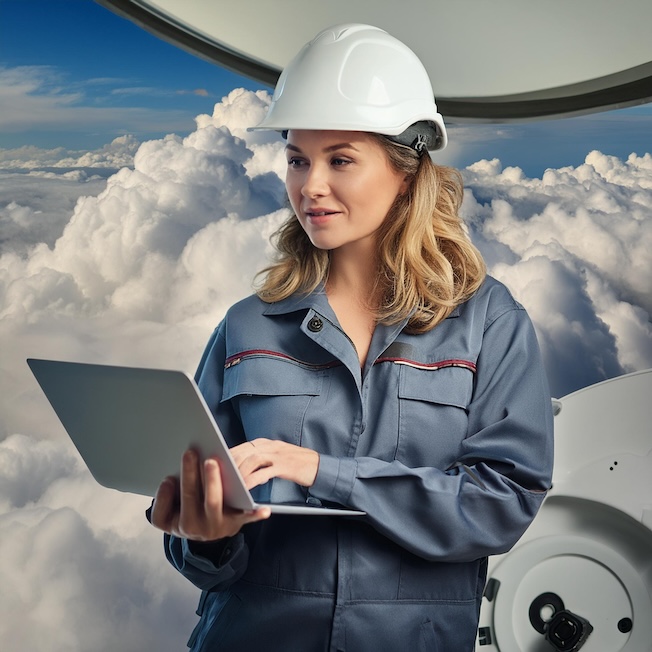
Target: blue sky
x,y
107,63
83,76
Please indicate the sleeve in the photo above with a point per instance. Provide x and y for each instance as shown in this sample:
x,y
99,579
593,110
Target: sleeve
x,y
212,566
482,504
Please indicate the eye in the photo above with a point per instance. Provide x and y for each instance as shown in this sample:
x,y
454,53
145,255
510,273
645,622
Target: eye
x,y
338,161
295,162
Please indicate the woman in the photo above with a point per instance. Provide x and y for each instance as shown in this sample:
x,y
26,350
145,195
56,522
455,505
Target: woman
x,y
377,368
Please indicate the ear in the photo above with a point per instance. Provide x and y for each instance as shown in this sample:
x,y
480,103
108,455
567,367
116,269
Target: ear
x,y
405,184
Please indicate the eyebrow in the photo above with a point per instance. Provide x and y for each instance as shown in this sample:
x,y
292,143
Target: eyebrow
x,y
330,148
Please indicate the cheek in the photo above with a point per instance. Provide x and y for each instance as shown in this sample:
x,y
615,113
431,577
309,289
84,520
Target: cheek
x,y
294,194
379,191
382,201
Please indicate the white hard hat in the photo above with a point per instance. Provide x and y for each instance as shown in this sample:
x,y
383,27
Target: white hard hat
x,y
358,78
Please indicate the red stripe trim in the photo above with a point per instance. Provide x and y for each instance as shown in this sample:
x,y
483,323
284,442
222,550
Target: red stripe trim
x,y
238,357
431,366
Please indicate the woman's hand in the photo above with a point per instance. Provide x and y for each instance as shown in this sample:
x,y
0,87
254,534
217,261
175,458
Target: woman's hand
x,y
191,507
261,460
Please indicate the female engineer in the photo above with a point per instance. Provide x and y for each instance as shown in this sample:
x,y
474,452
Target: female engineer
x,y
377,367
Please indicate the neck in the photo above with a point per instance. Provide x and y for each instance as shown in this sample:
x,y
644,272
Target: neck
x,y
352,275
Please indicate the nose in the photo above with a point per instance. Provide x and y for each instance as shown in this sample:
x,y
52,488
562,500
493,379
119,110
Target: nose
x,y
315,182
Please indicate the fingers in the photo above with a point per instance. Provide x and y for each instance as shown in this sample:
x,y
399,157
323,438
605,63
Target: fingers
x,y
213,494
251,457
192,493
266,459
201,509
220,518
165,509
192,507
242,451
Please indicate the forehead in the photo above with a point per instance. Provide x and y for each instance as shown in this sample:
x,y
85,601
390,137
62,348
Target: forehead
x,y
326,139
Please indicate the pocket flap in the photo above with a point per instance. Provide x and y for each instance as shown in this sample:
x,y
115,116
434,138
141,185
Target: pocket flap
x,y
450,385
264,375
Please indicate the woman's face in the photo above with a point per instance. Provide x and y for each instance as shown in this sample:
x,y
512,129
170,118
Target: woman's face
x,y
341,186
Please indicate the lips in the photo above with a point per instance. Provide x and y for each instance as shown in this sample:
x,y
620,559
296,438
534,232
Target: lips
x,y
319,216
319,212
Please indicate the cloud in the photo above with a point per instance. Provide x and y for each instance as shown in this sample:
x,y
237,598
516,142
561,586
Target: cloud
x,y
537,146
35,207
139,268
33,99
118,153
141,273
81,569
147,265
576,248
200,92
150,91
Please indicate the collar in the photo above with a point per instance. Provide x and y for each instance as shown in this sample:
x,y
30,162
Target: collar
x,y
316,300
455,312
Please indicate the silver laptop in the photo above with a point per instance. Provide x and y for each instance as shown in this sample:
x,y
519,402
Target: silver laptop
x,y
132,425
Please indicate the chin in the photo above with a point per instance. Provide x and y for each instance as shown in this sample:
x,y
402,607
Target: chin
x,y
324,244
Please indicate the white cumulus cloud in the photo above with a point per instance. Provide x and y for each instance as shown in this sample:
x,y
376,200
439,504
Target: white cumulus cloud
x,y
576,248
81,569
118,153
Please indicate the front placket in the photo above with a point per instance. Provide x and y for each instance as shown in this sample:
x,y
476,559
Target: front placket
x,y
333,339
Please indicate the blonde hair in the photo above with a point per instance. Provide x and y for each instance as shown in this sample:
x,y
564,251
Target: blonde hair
x,y
426,262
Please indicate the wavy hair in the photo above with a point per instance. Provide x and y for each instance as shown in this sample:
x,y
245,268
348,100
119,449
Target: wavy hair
x,y
426,263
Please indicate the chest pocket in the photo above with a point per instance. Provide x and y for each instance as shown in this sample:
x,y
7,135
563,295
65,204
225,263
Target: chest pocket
x,y
271,395
433,416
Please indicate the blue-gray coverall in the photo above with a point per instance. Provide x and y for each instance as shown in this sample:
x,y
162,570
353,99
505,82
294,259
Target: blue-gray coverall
x,y
444,439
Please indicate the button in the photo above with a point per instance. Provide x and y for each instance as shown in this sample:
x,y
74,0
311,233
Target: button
x,y
315,325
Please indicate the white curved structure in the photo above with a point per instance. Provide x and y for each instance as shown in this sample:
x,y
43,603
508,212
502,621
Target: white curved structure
x,y
488,61
591,543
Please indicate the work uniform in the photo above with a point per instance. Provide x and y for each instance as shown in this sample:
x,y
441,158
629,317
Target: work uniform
x,y
444,439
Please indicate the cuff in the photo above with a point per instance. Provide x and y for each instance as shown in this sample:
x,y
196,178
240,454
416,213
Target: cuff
x,y
335,479
213,555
